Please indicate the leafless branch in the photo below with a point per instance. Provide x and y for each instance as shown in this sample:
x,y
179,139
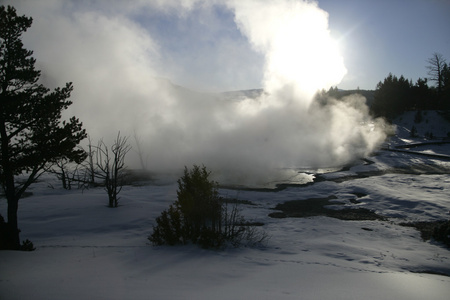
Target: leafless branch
x,y
111,166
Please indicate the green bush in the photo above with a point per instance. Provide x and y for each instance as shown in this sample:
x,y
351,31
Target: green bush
x,y
202,217
168,229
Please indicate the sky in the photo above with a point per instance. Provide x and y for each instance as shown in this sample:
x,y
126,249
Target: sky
x,y
379,37
136,64
202,47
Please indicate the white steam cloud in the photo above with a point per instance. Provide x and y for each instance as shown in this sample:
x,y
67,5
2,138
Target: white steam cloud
x,y
294,37
115,62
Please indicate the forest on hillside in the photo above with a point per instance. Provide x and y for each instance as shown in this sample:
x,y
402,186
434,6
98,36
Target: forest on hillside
x,y
396,94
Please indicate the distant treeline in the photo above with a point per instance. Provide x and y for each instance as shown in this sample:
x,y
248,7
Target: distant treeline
x,y
395,95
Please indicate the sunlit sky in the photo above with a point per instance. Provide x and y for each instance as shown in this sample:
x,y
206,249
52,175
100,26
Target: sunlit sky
x,y
202,47
398,36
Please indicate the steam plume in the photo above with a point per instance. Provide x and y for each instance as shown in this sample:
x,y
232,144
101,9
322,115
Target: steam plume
x,y
115,64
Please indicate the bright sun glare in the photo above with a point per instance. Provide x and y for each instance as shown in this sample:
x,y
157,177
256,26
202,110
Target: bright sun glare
x,y
303,52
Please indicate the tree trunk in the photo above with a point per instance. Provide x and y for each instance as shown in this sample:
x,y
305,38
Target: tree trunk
x,y
12,238
11,233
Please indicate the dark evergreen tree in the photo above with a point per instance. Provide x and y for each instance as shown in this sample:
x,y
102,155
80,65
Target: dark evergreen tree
x,y
392,97
446,86
33,136
199,202
422,97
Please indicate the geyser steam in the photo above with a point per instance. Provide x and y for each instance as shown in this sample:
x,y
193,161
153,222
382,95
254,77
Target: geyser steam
x,y
114,63
294,37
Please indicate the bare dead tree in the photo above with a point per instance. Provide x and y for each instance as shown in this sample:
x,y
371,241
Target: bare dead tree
x,y
435,68
66,172
62,173
90,166
110,164
69,172
139,150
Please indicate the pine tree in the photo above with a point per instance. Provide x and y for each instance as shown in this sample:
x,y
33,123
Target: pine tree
x,y
33,137
392,97
199,202
446,86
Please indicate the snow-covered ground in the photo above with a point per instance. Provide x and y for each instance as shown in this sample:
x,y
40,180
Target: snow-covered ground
x,y
88,251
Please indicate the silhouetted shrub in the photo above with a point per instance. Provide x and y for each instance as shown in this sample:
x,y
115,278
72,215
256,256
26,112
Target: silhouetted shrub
x,y
168,229
413,132
429,135
418,117
441,233
27,245
202,217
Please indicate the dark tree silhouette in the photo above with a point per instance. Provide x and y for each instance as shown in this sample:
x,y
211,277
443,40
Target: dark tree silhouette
x,y
201,216
436,64
446,86
111,167
33,136
392,97
422,96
